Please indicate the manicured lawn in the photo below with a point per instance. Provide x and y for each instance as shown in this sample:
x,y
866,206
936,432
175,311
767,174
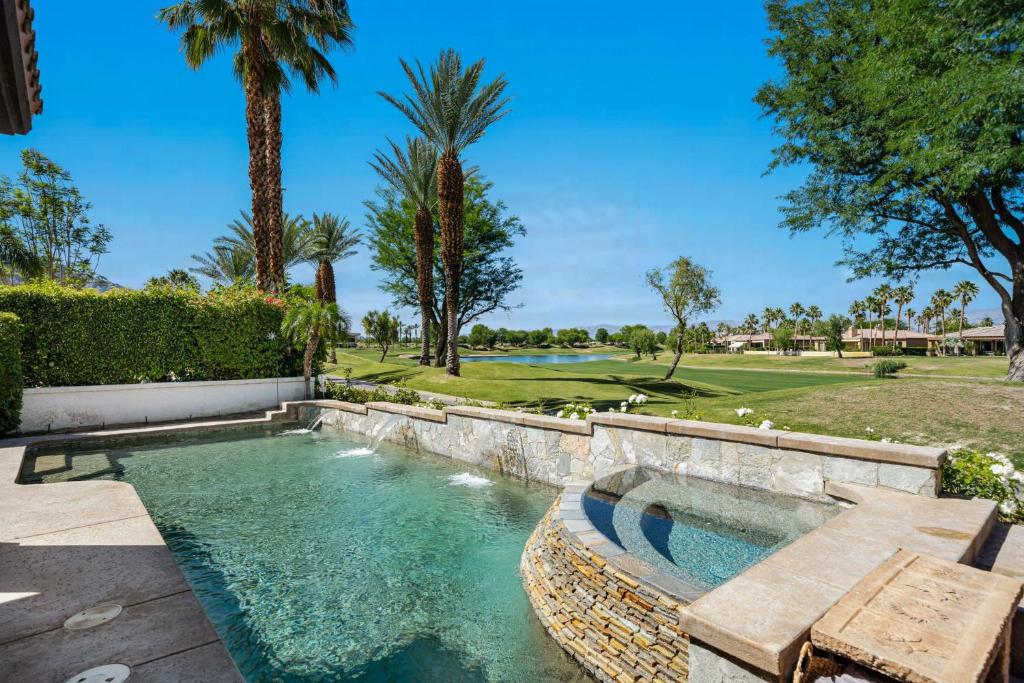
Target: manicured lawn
x,y
982,414
981,366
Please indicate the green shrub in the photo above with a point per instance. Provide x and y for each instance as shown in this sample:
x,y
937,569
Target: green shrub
x,y
985,475
887,368
883,351
10,372
79,337
342,391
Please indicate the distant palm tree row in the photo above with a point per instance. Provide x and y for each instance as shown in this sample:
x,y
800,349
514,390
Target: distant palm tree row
x,y
276,40
873,312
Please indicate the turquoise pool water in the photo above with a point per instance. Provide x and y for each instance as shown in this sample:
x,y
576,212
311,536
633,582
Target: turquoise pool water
x,y
319,558
700,531
538,358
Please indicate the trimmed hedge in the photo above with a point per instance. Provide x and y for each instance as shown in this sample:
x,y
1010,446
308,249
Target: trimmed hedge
x,y
79,337
10,372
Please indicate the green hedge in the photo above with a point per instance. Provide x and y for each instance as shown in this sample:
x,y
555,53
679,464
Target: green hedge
x,y
79,337
10,372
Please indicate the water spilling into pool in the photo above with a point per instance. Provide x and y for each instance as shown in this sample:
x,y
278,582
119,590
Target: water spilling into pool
x,y
320,559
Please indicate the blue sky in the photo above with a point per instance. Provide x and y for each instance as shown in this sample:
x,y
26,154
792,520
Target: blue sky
x,y
632,140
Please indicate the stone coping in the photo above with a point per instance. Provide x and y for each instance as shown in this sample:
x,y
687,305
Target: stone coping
x,y
874,451
763,616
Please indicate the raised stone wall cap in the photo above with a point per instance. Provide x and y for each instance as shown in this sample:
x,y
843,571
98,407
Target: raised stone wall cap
x,y
482,413
876,451
725,432
358,408
919,618
647,423
557,423
411,411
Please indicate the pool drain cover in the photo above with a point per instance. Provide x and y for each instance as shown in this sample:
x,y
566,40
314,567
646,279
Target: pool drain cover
x,y
108,673
93,616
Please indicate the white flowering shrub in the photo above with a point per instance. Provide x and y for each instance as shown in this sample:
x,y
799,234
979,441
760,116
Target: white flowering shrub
x,y
575,411
986,475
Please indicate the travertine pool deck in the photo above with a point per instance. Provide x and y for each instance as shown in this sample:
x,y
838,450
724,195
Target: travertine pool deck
x,y
69,546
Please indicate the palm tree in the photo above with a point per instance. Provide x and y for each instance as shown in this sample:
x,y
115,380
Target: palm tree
x,y
870,308
796,310
226,265
305,323
16,259
941,301
452,110
911,314
814,314
902,295
413,174
924,319
295,238
966,291
329,242
750,323
274,37
883,294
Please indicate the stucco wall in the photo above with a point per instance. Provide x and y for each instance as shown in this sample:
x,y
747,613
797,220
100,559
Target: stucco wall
x,y
60,408
557,451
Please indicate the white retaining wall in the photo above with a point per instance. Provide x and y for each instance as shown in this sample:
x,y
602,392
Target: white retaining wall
x,y
59,408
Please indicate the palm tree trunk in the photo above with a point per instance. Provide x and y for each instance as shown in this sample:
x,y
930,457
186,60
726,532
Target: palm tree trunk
x,y
899,317
255,132
449,209
307,360
442,338
326,293
963,319
424,227
275,200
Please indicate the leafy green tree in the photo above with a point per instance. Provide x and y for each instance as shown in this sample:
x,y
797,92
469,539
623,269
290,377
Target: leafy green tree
x,y
307,322
488,278
834,328
539,337
782,337
452,110
601,335
176,278
275,38
910,115
45,228
686,291
661,337
572,336
382,329
482,336
642,340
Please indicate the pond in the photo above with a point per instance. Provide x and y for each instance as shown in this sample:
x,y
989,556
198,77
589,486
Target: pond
x,y
538,358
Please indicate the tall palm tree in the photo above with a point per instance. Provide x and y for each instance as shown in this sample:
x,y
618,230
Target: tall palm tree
x,y
452,110
767,319
306,323
883,294
814,314
330,241
16,259
797,310
274,38
911,314
902,295
413,173
966,291
941,301
750,323
870,308
226,265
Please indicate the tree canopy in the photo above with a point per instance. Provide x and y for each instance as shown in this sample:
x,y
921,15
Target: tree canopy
x,y
910,115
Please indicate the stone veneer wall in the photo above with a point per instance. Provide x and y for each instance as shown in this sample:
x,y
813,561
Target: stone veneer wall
x,y
558,451
615,626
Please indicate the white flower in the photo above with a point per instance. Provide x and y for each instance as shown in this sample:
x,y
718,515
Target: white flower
x,y
743,412
611,410
786,427
632,398
574,416
561,413
675,413
593,410
624,405
1002,470
870,430
767,424
886,439
1008,507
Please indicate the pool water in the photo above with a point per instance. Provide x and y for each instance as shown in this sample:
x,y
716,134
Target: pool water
x,y
322,558
700,531
538,358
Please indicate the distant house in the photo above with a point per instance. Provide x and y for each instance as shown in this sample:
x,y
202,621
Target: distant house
x,y
988,341
762,341
867,339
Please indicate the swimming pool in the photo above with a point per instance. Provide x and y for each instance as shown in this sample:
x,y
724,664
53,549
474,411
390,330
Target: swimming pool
x,y
538,358
703,532
319,557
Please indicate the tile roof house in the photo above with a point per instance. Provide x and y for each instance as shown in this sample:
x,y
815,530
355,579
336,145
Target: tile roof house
x,y
990,340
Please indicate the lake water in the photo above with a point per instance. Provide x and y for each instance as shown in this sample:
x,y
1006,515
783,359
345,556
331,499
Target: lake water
x,y
539,358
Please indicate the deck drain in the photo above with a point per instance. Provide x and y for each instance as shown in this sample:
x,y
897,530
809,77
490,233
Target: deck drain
x,y
93,616
108,673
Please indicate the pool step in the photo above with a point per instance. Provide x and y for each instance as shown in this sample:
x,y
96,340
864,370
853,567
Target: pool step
x,y
1003,553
